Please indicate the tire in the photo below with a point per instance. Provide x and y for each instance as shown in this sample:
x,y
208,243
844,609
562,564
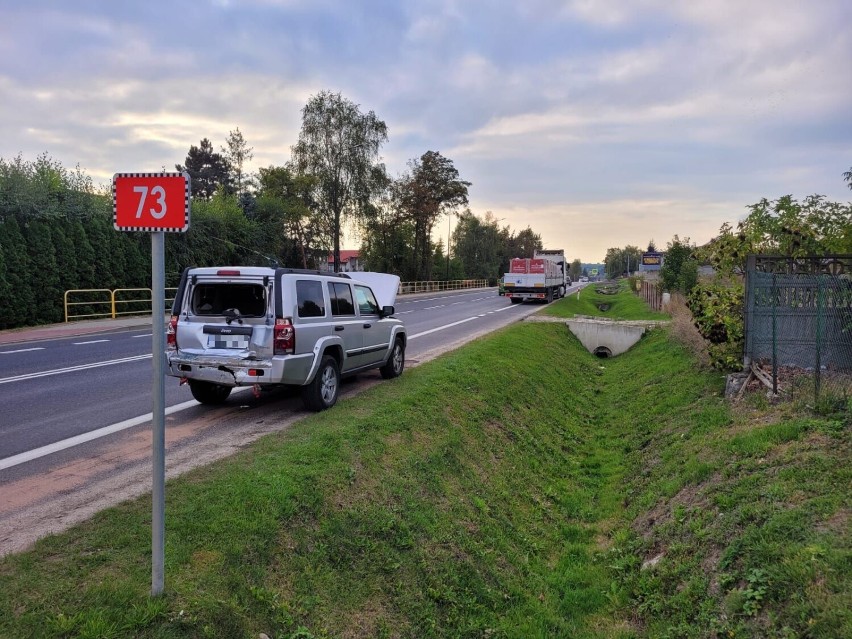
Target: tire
x,y
322,392
396,361
208,392
514,300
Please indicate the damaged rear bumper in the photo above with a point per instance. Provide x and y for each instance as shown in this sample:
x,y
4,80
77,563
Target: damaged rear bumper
x,y
240,370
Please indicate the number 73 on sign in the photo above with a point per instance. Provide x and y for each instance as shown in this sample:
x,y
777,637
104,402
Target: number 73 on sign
x,y
151,201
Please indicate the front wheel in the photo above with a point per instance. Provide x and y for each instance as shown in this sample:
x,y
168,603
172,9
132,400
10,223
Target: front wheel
x,y
208,392
396,361
323,390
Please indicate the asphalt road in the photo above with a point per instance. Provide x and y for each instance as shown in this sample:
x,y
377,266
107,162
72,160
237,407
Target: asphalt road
x,y
55,390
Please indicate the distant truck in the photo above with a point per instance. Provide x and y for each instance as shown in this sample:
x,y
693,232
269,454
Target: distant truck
x,y
543,277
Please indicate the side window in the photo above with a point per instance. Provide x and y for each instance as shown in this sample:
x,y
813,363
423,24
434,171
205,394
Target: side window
x,y
341,299
309,298
366,301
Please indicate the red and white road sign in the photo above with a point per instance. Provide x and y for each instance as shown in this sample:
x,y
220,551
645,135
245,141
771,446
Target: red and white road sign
x,y
150,202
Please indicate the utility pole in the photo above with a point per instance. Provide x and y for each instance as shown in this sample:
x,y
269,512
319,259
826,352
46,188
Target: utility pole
x,y
449,222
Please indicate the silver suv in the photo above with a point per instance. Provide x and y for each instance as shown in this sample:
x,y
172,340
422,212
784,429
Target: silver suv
x,y
254,326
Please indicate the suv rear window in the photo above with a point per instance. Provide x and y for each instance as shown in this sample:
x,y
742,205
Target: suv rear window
x,y
213,298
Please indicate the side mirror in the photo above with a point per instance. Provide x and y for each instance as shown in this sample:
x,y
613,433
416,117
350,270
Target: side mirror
x,y
386,311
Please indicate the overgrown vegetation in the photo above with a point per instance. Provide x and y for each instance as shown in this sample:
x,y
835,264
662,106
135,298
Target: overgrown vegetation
x,y
589,300
515,488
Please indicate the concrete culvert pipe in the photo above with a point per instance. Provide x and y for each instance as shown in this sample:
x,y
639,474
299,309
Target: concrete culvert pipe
x,y
603,352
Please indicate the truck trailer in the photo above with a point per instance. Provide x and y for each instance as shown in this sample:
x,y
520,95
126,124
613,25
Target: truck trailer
x,y
543,277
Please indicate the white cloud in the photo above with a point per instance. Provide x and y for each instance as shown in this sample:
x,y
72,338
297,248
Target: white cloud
x,y
597,122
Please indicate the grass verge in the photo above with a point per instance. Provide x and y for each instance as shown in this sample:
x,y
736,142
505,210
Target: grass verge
x,y
624,305
518,487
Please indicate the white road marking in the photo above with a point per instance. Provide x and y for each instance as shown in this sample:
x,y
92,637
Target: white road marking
x,y
30,455
148,335
94,341
469,319
429,308
22,350
441,328
71,369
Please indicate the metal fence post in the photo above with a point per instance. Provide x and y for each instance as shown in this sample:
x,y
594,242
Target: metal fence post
x,y
774,334
817,371
748,329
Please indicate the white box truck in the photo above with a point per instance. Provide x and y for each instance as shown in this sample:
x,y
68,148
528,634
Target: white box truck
x,y
543,277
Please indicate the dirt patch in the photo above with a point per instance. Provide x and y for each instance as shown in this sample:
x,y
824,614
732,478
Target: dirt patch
x,y
838,523
690,496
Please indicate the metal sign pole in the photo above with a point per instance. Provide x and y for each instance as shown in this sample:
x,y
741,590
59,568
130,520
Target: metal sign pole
x,y
158,424
155,203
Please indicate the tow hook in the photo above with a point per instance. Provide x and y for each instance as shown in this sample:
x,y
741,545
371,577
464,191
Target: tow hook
x,y
183,380
256,390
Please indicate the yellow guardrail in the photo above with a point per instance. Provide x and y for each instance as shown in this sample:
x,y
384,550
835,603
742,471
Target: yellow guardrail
x,y
428,287
101,303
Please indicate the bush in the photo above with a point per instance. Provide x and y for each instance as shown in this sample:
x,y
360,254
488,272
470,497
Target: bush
x,y
680,270
718,313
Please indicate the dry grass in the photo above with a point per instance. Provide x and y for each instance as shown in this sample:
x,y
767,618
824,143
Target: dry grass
x,y
683,330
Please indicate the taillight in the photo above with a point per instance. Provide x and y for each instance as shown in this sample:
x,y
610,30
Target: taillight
x,y
284,337
171,332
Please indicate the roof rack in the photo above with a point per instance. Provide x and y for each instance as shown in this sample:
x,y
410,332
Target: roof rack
x,y
308,271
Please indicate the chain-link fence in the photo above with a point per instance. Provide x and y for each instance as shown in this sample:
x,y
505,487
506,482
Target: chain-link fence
x,y
798,328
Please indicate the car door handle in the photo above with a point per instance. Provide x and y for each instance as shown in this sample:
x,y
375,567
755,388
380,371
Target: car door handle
x,y
339,328
367,325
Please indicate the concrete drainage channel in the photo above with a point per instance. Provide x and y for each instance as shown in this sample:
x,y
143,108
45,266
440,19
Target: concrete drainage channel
x,y
604,337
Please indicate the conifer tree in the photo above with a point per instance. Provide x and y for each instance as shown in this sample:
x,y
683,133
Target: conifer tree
x,y
66,255
18,308
48,303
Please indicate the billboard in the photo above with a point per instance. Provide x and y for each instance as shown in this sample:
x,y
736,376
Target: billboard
x,y
651,261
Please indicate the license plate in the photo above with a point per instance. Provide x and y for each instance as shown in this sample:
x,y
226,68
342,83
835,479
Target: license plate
x,y
228,341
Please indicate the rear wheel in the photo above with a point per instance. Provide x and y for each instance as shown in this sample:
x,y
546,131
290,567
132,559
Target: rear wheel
x,y
208,392
515,300
323,390
396,361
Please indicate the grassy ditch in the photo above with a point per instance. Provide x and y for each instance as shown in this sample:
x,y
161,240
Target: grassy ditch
x,y
622,306
513,488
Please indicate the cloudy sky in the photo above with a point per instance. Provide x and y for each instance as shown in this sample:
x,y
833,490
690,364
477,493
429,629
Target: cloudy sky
x,y
598,123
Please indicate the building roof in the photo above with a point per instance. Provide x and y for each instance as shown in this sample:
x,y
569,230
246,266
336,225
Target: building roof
x,y
345,256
